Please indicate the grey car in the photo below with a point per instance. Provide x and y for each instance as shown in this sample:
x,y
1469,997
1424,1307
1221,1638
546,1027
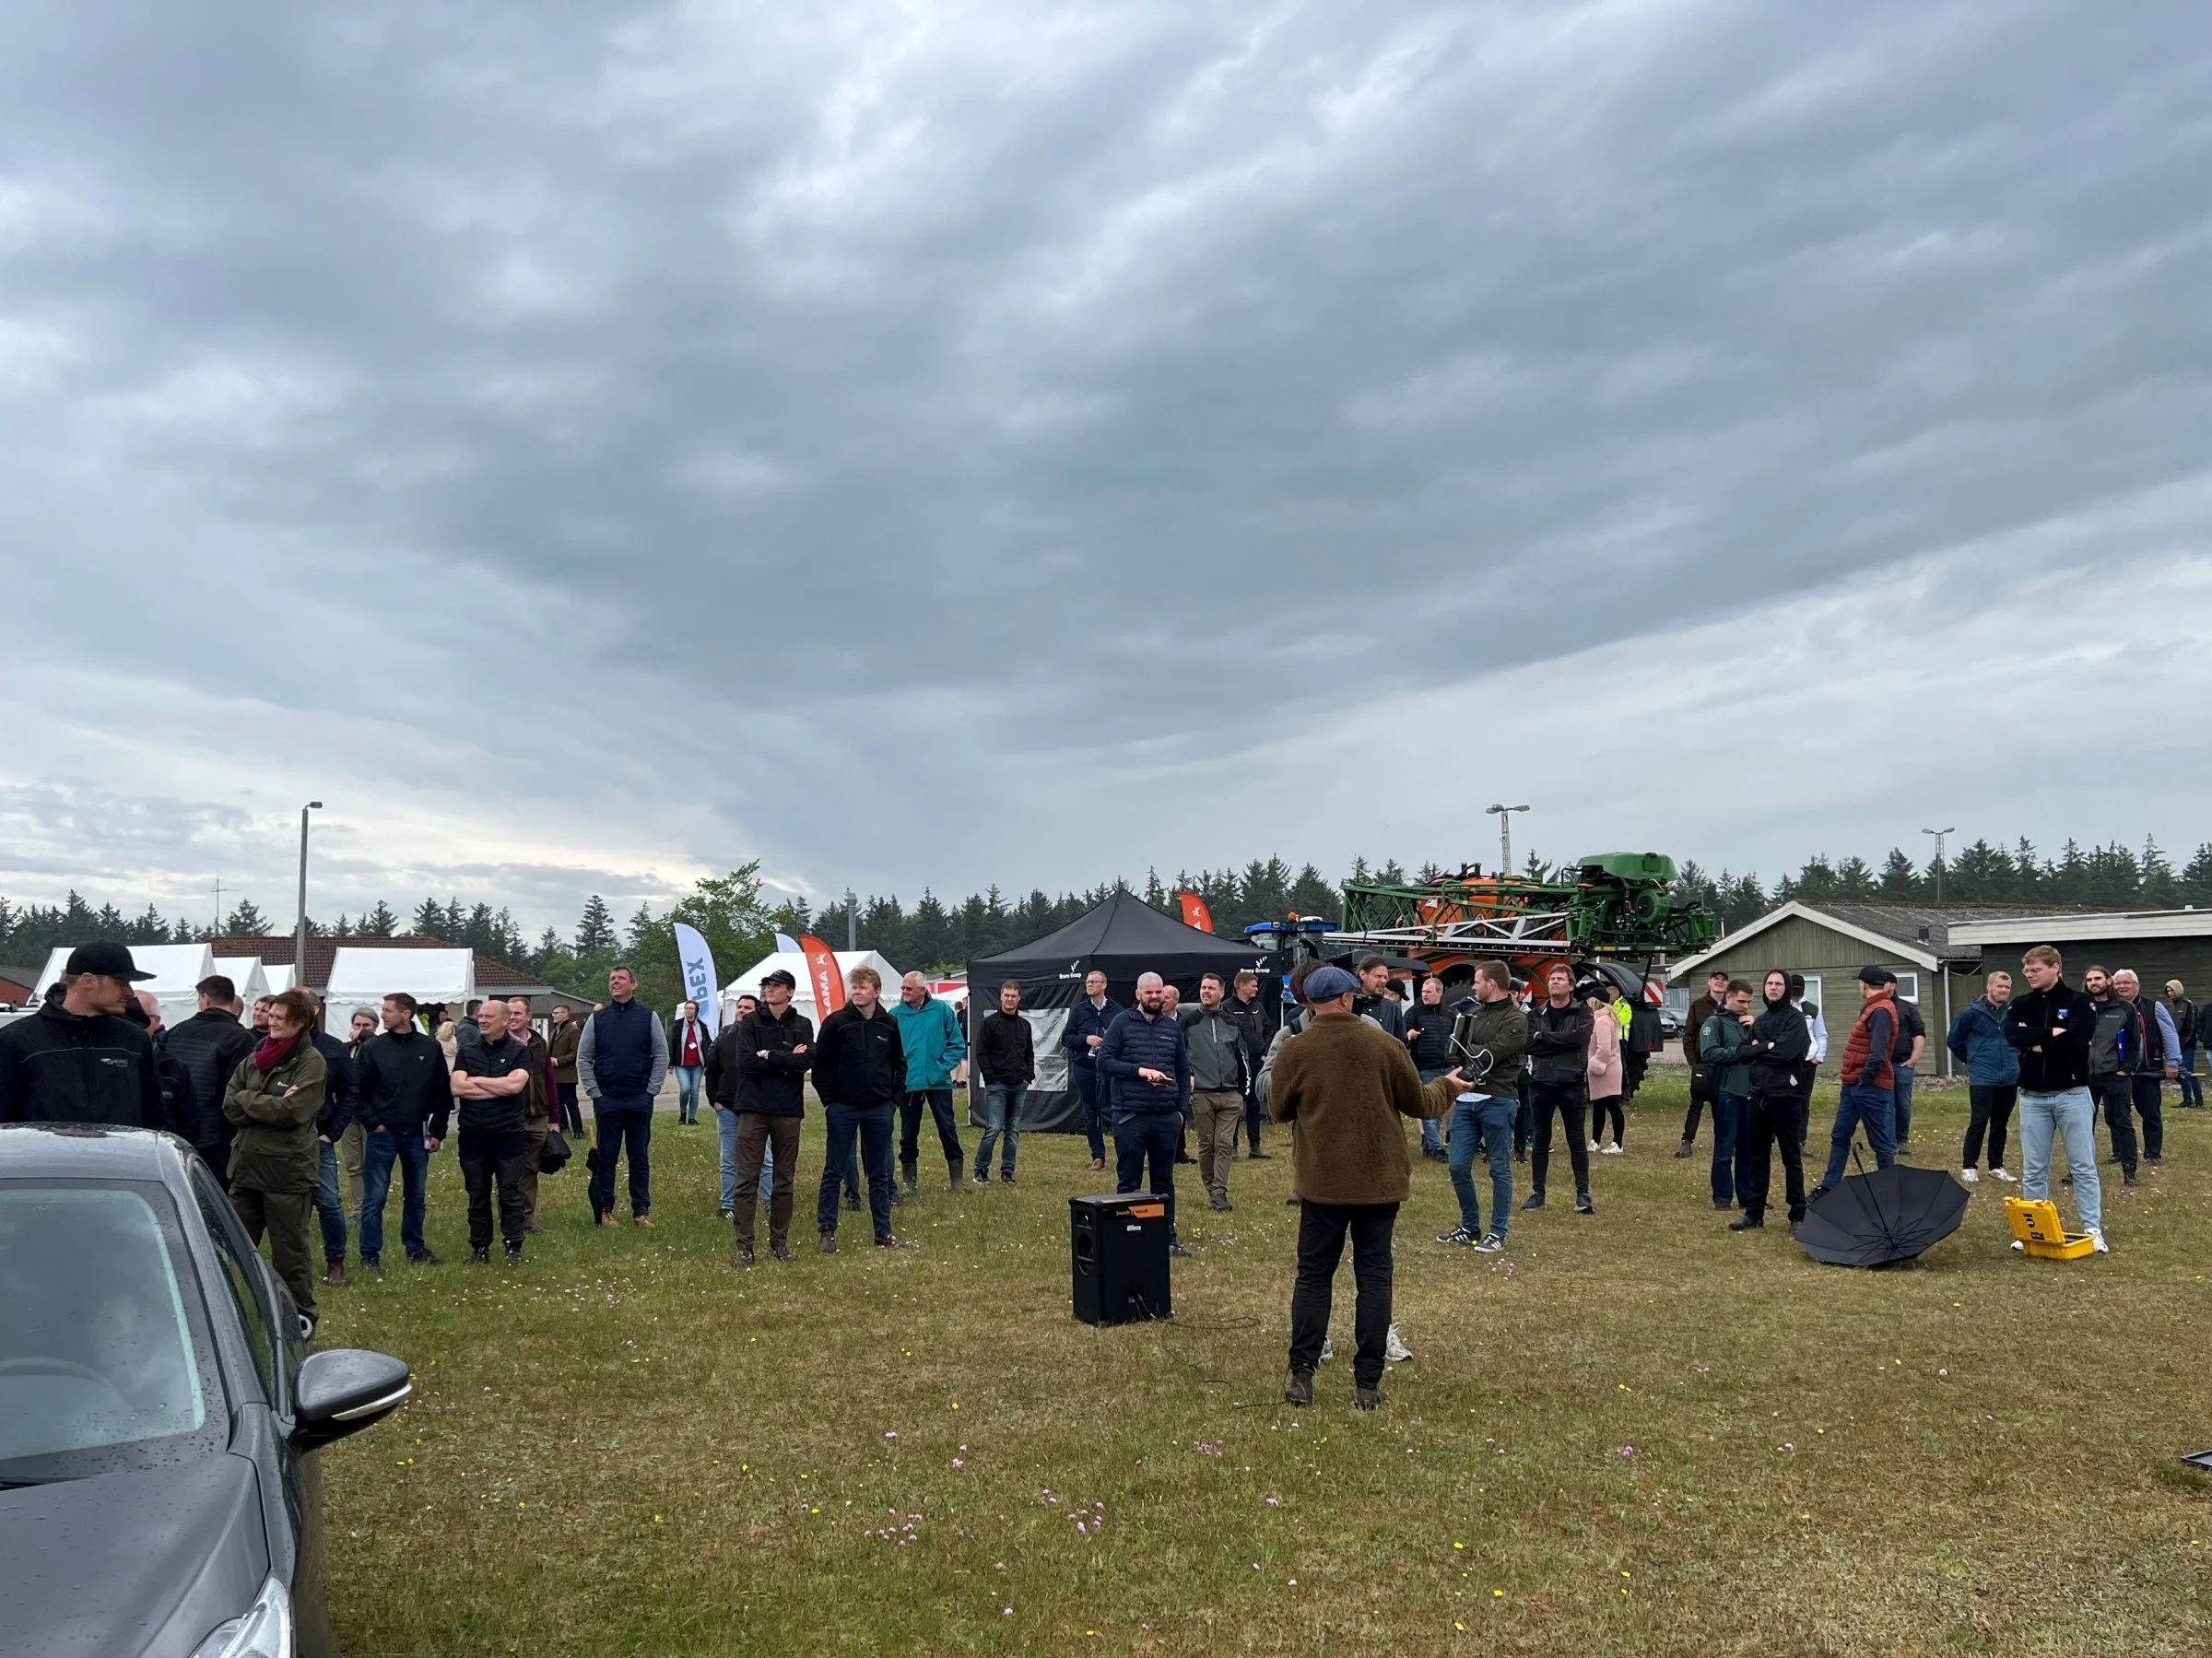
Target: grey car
x,y
159,1412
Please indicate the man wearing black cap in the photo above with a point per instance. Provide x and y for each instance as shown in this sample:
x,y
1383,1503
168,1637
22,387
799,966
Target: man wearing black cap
x,y
1869,1075
78,1059
1347,1087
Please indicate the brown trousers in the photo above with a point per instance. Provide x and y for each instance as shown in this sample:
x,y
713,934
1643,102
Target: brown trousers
x,y
284,1216
755,1130
536,1128
1220,1117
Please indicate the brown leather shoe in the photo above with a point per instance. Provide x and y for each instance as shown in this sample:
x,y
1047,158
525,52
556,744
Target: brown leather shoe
x,y
641,1220
608,1220
334,1272
1097,1164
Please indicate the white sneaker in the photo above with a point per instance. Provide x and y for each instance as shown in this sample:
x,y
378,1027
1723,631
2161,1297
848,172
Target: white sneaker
x,y
1490,1245
1968,1175
2102,1247
1999,1174
1395,1350
1328,1349
1612,1151
1593,1145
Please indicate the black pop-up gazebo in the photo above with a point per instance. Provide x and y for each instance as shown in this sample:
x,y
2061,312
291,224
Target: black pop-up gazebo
x,y
1123,937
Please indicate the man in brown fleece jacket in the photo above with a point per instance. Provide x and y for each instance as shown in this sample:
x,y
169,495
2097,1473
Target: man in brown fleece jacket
x,y
1347,1085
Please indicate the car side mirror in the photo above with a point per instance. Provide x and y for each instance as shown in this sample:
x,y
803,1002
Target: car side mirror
x,y
343,1390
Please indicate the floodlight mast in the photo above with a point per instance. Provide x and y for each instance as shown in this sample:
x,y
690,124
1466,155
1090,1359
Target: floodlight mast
x,y
1505,814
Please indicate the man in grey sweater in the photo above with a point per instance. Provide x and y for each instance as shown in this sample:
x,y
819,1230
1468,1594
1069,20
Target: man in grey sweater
x,y
1216,1041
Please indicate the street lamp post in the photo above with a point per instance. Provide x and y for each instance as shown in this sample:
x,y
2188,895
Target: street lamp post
x,y
299,926
1942,971
1939,835
851,922
1505,814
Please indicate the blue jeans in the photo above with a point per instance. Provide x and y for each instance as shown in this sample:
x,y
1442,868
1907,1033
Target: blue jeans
x,y
1727,1126
1490,1119
1861,1106
1432,1128
2192,1091
1088,1094
1002,1115
616,1123
687,1093
383,1149
725,1137
2073,1117
871,1125
1155,1137
1901,1099
328,1204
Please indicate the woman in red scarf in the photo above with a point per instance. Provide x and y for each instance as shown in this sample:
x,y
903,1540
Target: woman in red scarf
x,y
273,1100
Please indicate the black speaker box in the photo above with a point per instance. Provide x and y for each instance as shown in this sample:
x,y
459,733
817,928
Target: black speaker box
x,y
1118,1250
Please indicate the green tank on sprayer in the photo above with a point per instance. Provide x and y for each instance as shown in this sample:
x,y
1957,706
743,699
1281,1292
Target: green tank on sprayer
x,y
1604,905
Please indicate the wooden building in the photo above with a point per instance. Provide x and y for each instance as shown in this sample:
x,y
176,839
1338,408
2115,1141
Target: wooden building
x,y
1829,942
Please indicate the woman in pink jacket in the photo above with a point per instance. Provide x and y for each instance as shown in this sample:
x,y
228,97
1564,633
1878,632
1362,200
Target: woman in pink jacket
x,y
1604,1066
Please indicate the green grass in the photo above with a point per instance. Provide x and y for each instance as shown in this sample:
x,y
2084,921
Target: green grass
x,y
1631,1434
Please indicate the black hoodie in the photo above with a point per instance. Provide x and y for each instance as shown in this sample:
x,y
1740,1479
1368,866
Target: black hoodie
x,y
1779,1049
57,1066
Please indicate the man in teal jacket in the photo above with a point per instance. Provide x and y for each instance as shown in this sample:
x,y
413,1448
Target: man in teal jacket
x,y
936,1057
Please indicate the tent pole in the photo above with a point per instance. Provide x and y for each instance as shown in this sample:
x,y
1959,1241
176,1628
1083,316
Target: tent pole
x,y
1950,1069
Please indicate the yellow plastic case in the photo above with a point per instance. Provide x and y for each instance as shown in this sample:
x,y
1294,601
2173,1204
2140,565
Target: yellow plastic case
x,y
2036,1224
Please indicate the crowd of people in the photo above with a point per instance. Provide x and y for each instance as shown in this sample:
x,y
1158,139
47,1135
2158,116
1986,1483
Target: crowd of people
x,y
304,1129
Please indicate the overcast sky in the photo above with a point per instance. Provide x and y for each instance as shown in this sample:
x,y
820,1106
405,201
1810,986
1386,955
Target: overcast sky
x,y
589,446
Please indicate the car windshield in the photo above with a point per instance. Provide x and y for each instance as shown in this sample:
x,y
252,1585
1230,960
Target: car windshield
x,y
103,1360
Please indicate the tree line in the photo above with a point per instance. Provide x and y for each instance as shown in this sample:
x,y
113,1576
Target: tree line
x,y
2112,876
933,934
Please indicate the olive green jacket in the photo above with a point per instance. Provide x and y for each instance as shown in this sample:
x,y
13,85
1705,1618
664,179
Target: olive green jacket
x,y
275,1112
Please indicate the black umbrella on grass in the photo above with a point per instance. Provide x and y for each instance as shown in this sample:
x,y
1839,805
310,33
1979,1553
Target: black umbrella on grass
x,y
1875,1219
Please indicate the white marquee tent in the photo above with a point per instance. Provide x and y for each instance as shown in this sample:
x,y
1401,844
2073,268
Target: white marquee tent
x,y
246,972
280,977
362,978
748,984
176,969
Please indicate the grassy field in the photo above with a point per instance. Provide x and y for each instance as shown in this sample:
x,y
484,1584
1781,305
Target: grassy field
x,y
1635,1433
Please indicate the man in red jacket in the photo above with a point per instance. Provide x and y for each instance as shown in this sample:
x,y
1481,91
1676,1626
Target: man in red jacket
x,y
1869,1075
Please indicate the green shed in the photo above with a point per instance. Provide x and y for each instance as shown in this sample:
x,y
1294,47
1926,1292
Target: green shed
x,y
1830,942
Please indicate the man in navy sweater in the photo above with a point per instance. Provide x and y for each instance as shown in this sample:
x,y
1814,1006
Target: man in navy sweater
x,y
621,1061
1144,1063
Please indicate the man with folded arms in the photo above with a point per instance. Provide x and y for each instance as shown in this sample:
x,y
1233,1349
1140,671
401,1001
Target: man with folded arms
x,y
492,1081
773,1048
2052,1027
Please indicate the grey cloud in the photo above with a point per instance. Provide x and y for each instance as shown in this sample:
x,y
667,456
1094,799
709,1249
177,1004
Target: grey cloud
x,y
1111,386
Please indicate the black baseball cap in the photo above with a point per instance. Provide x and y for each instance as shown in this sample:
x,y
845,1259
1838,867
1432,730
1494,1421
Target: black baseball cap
x,y
105,958
779,976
